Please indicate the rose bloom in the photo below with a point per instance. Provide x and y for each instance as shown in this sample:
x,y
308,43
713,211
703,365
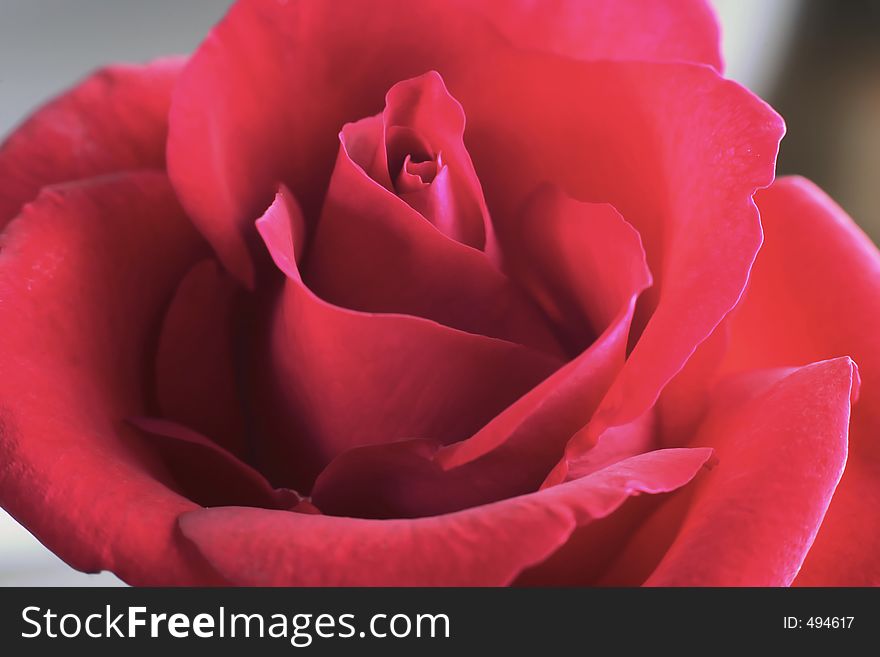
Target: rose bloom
x,y
435,293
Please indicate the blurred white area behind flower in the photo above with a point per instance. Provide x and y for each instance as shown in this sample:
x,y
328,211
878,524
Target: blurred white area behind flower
x,y
755,35
25,562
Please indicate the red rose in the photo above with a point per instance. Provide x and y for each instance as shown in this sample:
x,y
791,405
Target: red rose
x,y
435,293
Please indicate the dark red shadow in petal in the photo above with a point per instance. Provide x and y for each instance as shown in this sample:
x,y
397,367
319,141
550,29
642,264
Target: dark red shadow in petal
x,y
207,473
581,262
195,365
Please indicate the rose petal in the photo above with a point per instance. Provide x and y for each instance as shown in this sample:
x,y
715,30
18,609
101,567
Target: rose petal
x,y
509,456
208,474
372,252
656,528
195,363
641,545
656,30
582,262
587,265
685,400
615,445
114,120
85,273
814,294
349,378
781,454
407,479
487,545
585,558
638,150
561,246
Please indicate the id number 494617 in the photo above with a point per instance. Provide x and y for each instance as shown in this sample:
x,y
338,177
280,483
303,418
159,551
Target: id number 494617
x,y
819,622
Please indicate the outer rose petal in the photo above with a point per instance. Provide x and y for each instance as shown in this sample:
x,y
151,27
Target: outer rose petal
x,y
656,30
113,121
650,538
781,454
209,474
486,545
85,273
815,293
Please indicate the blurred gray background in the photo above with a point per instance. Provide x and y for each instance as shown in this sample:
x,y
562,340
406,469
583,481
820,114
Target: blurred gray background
x,y
816,61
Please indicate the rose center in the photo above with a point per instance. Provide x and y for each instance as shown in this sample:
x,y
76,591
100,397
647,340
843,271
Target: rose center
x,y
416,175
412,162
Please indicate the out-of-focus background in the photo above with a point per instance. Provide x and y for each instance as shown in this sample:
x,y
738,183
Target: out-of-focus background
x,y
816,61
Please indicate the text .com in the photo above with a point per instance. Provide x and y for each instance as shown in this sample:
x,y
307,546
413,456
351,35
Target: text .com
x,y
300,629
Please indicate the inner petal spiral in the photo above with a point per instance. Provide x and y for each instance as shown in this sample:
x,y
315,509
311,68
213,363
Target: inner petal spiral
x,y
404,228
